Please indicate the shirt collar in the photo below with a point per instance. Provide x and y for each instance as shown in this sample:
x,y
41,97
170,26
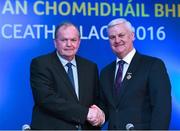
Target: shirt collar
x,y
128,57
64,61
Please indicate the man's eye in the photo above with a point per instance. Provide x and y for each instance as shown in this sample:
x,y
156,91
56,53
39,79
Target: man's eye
x,y
63,40
111,37
73,40
121,35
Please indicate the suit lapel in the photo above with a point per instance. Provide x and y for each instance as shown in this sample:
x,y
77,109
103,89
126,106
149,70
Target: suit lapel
x,y
81,70
129,74
63,75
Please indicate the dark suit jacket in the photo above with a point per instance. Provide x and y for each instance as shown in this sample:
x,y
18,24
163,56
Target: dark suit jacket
x,y
56,104
145,98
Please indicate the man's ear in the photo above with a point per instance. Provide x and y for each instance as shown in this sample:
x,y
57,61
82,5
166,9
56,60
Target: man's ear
x,y
133,36
79,41
54,43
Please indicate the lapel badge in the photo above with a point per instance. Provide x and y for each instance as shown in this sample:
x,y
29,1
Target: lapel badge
x,y
129,75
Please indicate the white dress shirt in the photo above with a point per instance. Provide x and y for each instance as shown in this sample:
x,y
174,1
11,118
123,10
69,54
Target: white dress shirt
x,y
127,59
74,68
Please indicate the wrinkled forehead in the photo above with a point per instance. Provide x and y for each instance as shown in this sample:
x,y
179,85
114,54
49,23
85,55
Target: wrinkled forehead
x,y
118,29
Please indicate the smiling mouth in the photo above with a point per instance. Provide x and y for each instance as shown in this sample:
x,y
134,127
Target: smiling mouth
x,y
116,45
69,49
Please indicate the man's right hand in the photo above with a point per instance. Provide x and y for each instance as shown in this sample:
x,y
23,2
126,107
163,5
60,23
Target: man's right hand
x,y
95,116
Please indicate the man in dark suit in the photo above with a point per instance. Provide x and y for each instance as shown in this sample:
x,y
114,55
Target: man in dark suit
x,y
135,89
65,86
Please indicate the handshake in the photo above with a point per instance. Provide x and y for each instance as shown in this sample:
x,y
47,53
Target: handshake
x,y
95,116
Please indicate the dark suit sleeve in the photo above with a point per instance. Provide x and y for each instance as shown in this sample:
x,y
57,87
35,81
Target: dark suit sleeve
x,y
102,104
103,101
48,100
97,87
160,94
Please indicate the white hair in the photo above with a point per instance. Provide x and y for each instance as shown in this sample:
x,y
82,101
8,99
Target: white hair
x,y
121,21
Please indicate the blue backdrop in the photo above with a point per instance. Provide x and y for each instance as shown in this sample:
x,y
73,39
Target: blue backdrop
x,y
27,31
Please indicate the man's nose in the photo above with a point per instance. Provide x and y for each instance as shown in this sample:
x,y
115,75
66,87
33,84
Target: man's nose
x,y
117,39
68,43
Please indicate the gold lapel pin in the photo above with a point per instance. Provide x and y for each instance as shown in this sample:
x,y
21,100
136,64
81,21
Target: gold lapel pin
x,y
129,75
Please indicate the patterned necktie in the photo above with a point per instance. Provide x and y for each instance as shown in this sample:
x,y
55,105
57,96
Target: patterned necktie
x,y
118,80
70,73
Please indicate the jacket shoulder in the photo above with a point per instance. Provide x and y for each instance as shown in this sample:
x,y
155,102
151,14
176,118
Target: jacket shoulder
x,y
46,58
85,61
150,59
108,67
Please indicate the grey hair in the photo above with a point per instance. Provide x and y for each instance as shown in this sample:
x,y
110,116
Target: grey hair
x,y
121,21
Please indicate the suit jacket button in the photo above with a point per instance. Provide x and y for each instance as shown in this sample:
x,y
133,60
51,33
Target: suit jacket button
x,y
77,126
114,127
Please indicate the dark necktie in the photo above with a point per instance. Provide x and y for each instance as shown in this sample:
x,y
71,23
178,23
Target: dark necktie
x,y
70,73
118,80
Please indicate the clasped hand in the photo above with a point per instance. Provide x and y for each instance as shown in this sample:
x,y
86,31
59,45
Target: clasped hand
x,y
95,116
